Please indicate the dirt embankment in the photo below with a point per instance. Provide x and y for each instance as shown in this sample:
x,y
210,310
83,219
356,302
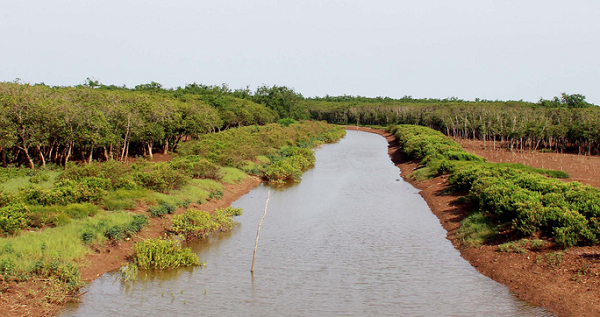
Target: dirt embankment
x,y
566,282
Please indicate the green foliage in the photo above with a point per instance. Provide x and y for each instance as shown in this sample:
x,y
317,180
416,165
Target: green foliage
x,y
216,194
232,148
163,255
126,198
96,123
40,178
231,175
521,246
13,217
66,273
41,216
289,164
63,242
117,173
197,223
161,210
159,177
13,179
118,232
88,189
286,122
439,154
282,99
196,166
552,259
476,229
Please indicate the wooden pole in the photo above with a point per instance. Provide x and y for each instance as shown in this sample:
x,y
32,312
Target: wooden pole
x,y
258,230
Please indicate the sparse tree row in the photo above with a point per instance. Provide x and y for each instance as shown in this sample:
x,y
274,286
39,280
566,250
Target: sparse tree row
x,y
41,124
558,125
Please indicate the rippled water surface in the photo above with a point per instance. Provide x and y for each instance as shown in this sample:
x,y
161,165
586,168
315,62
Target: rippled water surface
x,y
351,239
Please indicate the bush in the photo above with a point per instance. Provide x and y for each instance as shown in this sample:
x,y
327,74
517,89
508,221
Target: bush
x,y
39,178
196,167
163,255
88,189
118,174
286,122
160,177
118,232
162,209
197,223
13,217
64,272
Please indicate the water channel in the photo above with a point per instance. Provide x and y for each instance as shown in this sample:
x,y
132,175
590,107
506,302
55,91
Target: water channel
x,y
351,239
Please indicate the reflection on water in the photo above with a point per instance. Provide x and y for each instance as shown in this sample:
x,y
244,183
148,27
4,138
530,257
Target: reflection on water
x,y
352,239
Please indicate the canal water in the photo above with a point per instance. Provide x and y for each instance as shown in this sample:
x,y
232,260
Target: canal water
x,y
351,239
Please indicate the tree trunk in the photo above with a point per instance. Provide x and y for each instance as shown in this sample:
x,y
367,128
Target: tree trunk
x,y
4,164
89,160
150,150
69,148
41,155
25,151
166,148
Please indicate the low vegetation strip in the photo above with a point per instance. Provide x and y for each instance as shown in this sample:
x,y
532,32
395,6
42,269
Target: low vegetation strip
x,y
514,197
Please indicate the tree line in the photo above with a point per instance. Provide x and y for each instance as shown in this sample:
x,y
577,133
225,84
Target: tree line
x,y
41,124
566,122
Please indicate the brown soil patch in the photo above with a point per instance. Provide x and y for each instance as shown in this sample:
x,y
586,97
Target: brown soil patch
x,y
568,285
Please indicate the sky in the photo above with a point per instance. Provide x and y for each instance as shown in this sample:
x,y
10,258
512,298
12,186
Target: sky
x,y
487,49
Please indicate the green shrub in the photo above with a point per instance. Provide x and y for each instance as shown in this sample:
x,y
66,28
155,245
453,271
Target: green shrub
x,y
163,255
197,223
216,194
231,175
13,217
161,210
64,272
286,122
39,178
196,166
476,229
118,232
160,177
88,189
118,174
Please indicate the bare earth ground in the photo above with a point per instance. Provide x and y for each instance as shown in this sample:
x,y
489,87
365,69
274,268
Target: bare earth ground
x,y
567,286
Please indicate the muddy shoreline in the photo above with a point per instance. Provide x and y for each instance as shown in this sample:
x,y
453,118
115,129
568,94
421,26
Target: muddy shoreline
x,y
567,287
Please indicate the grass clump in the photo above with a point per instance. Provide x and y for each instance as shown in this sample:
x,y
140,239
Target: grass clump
x,y
126,199
521,246
231,175
162,209
163,254
197,223
476,230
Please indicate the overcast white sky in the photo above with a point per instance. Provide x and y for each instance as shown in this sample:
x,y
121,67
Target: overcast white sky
x,y
490,49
